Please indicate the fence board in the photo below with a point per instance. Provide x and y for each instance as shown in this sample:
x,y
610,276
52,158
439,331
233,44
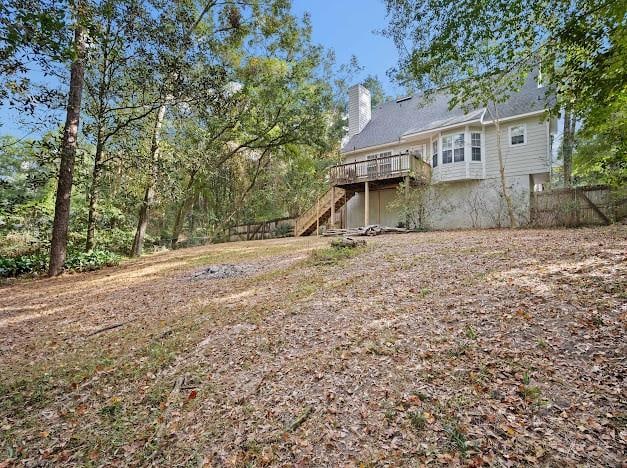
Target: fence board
x,y
577,206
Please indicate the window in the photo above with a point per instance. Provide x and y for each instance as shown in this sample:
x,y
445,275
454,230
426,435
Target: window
x,y
434,154
447,149
517,135
382,165
475,141
458,150
385,165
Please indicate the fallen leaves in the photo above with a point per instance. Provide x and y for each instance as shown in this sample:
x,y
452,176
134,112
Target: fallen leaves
x,y
448,351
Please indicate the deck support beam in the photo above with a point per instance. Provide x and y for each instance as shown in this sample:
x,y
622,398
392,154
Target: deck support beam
x,y
318,217
332,220
366,204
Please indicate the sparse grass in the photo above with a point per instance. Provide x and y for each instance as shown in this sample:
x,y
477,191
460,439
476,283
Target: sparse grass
x,y
333,255
417,420
106,395
457,438
530,393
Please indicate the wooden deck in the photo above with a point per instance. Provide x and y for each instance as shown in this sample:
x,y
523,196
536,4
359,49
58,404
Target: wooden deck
x,y
386,169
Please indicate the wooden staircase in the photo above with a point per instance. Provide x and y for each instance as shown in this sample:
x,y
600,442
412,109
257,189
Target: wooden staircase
x,y
308,222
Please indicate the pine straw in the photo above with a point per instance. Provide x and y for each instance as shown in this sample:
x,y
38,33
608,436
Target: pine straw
x,y
468,347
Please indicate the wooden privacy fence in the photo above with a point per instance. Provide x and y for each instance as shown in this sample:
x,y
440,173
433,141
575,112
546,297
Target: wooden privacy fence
x,y
577,206
281,227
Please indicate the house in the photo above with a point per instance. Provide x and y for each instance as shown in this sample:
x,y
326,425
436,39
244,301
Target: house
x,y
450,154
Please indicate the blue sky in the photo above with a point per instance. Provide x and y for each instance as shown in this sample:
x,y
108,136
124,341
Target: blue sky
x,y
346,26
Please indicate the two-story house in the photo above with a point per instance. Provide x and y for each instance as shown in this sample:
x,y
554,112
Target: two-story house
x,y
451,153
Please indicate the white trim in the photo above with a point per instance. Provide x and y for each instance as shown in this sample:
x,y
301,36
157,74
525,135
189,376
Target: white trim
x,y
467,149
509,134
407,136
514,117
549,156
367,149
484,144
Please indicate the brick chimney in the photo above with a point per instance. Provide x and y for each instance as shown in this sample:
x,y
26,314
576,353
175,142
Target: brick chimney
x,y
359,111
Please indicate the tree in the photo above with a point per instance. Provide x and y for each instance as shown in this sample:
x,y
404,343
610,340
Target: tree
x,y
188,42
34,36
599,156
114,82
58,244
464,46
377,93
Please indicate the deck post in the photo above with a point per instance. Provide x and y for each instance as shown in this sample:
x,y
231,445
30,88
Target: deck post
x,y
332,206
366,204
318,217
406,201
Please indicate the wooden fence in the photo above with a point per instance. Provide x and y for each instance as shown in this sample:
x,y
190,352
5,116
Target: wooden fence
x,y
577,206
282,227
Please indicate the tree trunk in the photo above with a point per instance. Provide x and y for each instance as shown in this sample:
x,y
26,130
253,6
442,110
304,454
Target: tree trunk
x,y
183,209
505,192
94,193
567,148
58,244
149,193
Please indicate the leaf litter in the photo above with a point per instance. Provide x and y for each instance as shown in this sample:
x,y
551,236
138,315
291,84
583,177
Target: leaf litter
x,y
466,348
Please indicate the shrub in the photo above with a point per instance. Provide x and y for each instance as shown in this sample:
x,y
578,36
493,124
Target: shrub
x,y
27,264
37,263
92,260
333,256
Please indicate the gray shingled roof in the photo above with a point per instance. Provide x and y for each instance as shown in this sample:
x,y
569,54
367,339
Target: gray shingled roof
x,y
391,120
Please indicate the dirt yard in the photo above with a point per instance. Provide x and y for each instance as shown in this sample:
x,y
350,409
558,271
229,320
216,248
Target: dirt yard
x,y
468,348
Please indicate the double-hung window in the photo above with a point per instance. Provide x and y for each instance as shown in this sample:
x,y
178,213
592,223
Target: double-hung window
x,y
385,164
447,149
475,140
517,135
434,153
458,147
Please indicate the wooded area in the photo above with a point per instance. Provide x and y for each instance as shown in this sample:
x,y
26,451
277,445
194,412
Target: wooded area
x,y
183,120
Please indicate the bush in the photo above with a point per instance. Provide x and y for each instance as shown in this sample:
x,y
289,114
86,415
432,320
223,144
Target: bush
x,y
92,260
37,263
23,264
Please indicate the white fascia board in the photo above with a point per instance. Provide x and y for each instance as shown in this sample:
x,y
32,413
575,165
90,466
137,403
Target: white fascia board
x,y
370,148
514,117
424,133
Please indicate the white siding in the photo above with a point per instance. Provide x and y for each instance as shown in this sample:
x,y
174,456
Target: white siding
x,y
380,211
530,158
463,202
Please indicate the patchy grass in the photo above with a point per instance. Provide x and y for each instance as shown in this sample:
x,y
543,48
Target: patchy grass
x,y
333,255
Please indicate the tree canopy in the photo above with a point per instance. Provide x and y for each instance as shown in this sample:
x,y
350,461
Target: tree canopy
x,y
194,116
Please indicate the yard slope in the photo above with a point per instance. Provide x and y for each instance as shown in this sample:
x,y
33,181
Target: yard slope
x,y
464,347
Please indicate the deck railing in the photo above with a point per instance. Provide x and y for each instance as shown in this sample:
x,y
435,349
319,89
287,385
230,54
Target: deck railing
x,y
386,167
